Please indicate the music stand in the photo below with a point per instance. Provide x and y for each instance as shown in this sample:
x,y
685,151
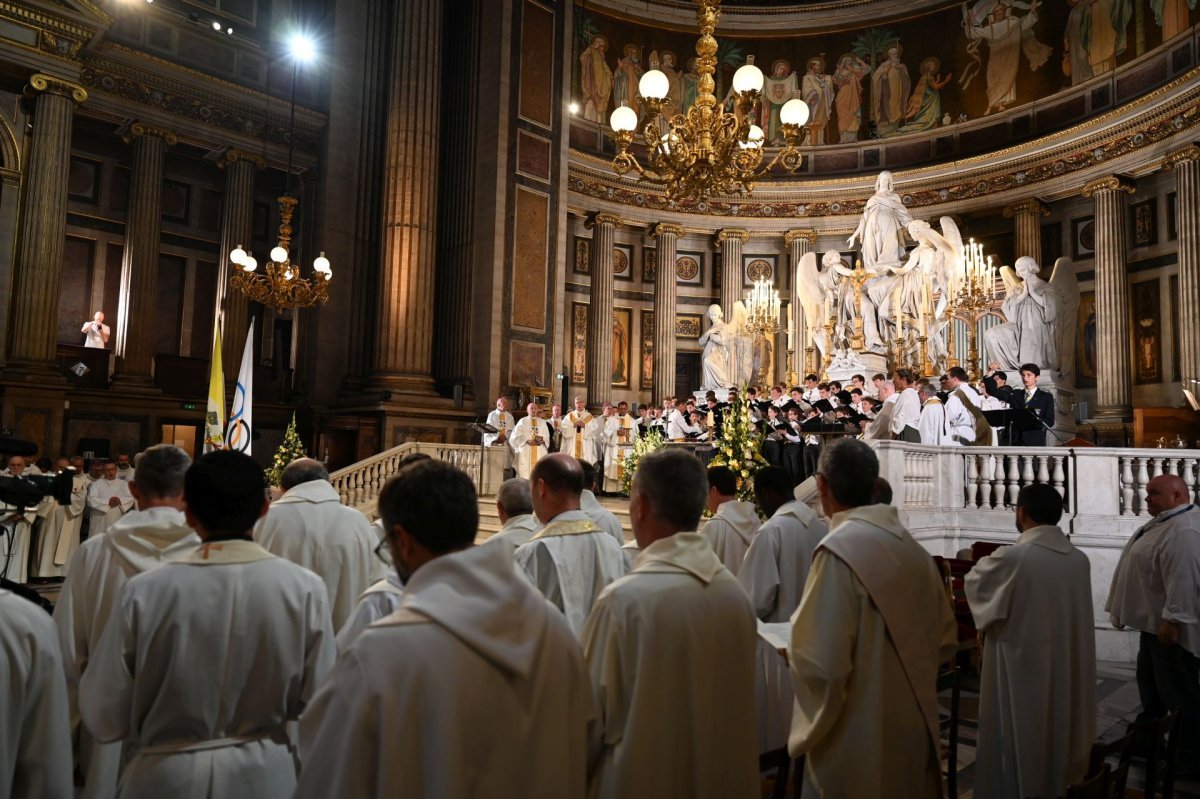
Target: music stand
x,y
484,429
1014,420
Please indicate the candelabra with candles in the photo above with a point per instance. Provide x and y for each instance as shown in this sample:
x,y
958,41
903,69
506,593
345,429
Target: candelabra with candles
x,y
973,294
762,308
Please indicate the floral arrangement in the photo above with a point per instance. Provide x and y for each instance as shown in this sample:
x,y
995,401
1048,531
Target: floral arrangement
x,y
643,445
291,449
740,447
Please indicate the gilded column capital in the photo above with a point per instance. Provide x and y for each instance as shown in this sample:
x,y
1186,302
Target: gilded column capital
x,y
733,234
1031,206
1185,154
807,234
603,219
1109,183
668,229
40,82
234,156
139,129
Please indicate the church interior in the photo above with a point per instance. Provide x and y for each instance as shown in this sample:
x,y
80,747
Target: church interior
x,y
410,224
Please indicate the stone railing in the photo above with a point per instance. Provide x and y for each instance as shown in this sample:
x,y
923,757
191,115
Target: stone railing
x,y
359,485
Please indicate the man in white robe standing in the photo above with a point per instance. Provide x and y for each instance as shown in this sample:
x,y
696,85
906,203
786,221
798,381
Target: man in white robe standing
x,y
867,641
733,522
962,407
777,562
579,433
620,431
504,423
1033,603
108,499
906,413
514,507
140,541
530,440
670,649
60,533
473,687
1156,592
570,559
311,527
879,428
934,426
16,534
206,660
35,736
605,519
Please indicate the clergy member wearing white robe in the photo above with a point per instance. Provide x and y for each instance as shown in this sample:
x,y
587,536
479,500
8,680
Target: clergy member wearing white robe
x,y
777,562
206,660
514,508
670,649
934,426
580,433
605,519
474,687
530,440
60,533
140,541
504,423
16,534
311,527
906,413
867,641
733,522
570,559
35,735
1033,603
381,599
620,431
108,499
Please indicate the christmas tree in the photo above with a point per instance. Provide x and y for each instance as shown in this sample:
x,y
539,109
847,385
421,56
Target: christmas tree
x,y
291,449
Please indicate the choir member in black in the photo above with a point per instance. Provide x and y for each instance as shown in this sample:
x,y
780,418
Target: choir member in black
x,y
773,429
1040,402
793,446
944,389
812,440
715,412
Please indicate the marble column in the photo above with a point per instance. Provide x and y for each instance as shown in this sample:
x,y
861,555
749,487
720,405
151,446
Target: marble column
x,y
1186,164
1027,216
666,238
731,241
600,312
237,223
1114,394
403,356
42,227
139,265
800,243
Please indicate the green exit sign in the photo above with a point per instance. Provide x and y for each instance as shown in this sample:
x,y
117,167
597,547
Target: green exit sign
x,y
190,406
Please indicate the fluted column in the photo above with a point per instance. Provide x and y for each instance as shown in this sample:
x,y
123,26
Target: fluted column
x,y
800,243
139,264
731,241
666,237
600,313
1186,163
42,226
406,277
237,223
1114,394
1027,217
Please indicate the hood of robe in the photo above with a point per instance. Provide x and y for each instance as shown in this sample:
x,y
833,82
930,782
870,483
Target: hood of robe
x,y
689,552
797,510
312,491
742,516
588,502
477,596
145,539
1047,536
884,517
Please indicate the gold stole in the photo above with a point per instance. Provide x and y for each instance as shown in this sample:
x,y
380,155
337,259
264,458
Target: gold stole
x,y
533,453
621,458
572,418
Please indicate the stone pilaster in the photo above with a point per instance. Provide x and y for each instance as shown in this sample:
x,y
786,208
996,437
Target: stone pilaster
x,y
139,266
1027,216
731,240
237,222
1186,164
42,227
403,357
1114,393
600,313
800,243
666,237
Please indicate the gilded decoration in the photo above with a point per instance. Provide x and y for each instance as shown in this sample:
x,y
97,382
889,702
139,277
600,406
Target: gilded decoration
x,y
687,268
1185,154
1109,183
140,129
48,83
808,235
234,156
1032,206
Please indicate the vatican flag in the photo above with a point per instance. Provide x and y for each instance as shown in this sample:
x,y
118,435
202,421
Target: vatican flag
x,y
214,415
241,414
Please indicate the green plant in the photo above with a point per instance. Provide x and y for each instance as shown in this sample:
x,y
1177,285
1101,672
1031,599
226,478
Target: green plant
x,y
643,445
740,447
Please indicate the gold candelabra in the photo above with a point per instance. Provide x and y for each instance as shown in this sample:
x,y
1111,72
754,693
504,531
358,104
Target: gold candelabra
x,y
762,308
279,285
974,296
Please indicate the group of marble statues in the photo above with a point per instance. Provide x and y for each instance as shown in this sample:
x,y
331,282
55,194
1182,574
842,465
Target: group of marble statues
x,y
733,354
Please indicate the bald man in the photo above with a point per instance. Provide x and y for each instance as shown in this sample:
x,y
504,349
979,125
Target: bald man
x,y
1156,591
570,559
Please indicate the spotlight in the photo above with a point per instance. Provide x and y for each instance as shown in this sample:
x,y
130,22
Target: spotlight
x,y
303,49
573,108
216,26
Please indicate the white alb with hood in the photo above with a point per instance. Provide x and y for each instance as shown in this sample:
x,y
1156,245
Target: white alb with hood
x,y
101,515
378,601
605,519
473,687
730,531
60,535
777,562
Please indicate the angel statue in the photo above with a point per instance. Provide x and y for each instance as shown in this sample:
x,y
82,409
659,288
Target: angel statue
x,y
936,257
739,341
822,288
715,359
1041,318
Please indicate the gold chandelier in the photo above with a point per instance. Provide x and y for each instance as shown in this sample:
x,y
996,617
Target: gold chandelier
x,y
279,285
709,150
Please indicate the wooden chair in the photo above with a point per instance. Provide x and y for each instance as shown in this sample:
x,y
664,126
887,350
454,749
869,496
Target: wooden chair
x,y
948,724
1163,737
1122,750
1094,787
981,549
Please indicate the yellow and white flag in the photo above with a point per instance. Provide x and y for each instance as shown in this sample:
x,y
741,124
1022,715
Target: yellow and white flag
x,y
214,414
241,423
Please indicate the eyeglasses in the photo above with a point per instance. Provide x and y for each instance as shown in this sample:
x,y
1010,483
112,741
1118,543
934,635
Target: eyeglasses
x,y
383,553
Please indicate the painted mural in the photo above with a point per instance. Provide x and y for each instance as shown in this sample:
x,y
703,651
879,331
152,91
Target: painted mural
x,y
960,62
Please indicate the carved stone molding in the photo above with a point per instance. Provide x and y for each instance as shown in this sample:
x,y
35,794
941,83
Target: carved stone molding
x,y
603,219
1030,206
139,129
1109,183
1186,153
39,82
808,235
233,156
668,229
733,234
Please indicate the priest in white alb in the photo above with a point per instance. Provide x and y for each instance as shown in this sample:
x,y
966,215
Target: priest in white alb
x,y
570,559
140,541
867,641
206,660
605,519
1032,602
671,649
934,426
620,431
108,499
474,687
580,432
16,531
60,532
311,527
530,440
514,508
733,522
504,423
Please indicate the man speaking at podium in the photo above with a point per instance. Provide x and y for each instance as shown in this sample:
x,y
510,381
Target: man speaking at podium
x,y
1040,402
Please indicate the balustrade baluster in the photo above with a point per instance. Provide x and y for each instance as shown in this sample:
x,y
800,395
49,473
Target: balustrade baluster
x,y
972,486
1142,479
1127,486
1057,476
1014,478
1043,469
998,477
1188,473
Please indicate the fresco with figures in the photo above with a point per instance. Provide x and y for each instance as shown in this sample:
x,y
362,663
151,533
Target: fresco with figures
x,y
959,62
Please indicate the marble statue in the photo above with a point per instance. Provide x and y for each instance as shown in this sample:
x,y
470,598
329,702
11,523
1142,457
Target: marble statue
x,y
715,359
881,229
822,291
740,343
1040,318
